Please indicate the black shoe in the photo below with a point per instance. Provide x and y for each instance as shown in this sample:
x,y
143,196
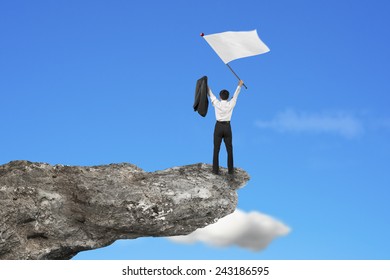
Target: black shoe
x,y
215,172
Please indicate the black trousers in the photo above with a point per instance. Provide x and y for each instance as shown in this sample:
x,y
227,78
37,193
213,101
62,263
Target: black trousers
x,y
223,131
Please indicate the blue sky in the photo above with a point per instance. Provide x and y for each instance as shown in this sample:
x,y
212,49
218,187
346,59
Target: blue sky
x,y
96,82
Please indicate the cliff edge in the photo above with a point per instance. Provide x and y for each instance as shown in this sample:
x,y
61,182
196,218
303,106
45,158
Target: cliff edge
x,y
54,212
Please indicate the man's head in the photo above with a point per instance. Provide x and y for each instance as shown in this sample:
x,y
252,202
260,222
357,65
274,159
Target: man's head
x,y
224,94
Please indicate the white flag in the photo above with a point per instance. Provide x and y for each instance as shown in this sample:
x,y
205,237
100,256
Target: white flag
x,y
233,45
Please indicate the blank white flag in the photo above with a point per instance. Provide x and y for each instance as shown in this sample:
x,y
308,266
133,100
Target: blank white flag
x,y
232,45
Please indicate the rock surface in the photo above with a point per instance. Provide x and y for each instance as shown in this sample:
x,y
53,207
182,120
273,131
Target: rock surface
x,y
54,212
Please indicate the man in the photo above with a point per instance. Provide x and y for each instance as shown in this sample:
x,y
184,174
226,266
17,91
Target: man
x,y
223,114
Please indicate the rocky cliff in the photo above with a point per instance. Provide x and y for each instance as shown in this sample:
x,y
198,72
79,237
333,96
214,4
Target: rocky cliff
x,y
54,212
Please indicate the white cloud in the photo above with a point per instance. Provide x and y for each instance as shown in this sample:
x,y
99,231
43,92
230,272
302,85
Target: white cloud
x,y
340,123
252,230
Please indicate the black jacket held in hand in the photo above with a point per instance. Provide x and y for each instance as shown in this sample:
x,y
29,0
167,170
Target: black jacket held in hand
x,y
201,103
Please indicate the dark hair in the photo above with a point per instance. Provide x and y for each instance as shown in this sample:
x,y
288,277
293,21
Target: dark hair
x,y
224,94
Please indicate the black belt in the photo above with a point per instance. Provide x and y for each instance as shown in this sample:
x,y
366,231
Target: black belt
x,y
226,122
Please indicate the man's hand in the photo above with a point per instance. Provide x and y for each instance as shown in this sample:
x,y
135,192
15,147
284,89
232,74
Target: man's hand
x,y
240,83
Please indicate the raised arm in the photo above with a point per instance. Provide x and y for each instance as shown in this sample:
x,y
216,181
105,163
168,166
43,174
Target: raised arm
x,y
236,93
212,96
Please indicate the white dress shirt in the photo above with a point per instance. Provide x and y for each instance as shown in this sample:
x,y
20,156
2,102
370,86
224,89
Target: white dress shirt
x,y
224,108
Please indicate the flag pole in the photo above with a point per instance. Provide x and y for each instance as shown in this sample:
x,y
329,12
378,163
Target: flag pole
x,y
231,69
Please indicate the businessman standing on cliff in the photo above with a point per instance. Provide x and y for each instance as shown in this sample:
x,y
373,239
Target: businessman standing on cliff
x,y
223,113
